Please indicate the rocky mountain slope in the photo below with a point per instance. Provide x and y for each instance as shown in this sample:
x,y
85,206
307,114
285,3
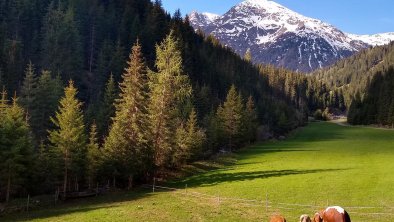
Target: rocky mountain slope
x,y
279,36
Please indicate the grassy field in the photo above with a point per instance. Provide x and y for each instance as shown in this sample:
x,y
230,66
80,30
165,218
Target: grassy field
x,y
321,164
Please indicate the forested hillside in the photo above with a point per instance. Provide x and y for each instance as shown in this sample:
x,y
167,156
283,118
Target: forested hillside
x,y
119,90
376,106
353,75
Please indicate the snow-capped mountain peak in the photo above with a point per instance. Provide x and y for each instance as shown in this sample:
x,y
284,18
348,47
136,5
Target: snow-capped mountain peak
x,y
374,40
279,36
266,4
202,19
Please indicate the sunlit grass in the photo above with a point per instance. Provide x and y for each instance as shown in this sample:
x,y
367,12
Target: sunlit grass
x,y
321,164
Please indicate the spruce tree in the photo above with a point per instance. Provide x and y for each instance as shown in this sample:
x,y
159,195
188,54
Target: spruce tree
x,y
48,93
16,151
169,88
250,120
189,140
230,115
68,139
94,156
107,108
28,90
127,142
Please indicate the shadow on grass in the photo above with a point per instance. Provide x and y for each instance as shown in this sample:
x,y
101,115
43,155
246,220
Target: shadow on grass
x,y
106,201
217,178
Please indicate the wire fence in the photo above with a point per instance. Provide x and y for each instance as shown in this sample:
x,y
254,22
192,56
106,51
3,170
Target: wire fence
x,y
272,206
265,203
30,203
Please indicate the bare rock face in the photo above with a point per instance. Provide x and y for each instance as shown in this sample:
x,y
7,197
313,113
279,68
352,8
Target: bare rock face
x,y
281,37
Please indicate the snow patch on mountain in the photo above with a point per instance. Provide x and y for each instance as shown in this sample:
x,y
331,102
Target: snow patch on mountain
x,y
374,40
279,36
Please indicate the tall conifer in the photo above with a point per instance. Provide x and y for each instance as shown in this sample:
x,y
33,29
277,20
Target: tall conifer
x,y
127,142
68,138
230,115
28,90
16,151
169,87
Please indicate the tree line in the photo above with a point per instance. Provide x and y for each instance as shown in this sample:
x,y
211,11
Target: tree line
x,y
352,76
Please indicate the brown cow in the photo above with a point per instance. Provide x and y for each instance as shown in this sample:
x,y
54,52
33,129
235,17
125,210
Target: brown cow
x,y
305,218
277,218
332,214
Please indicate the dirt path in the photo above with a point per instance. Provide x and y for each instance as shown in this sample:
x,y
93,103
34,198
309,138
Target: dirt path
x,y
343,122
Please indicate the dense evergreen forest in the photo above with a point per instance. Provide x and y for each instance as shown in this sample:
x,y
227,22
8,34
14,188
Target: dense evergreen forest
x,y
98,91
353,75
377,104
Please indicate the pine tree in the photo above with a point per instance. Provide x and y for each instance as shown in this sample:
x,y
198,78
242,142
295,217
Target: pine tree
x,y
189,140
230,115
16,151
48,93
68,138
250,120
28,90
127,142
107,108
94,156
45,169
169,88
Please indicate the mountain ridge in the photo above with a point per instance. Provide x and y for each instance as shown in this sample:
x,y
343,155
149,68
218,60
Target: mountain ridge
x,y
279,36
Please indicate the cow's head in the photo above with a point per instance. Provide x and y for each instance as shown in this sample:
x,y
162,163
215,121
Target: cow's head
x,y
305,218
318,218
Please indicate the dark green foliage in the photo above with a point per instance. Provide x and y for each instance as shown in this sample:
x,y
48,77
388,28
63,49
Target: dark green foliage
x,y
16,152
250,121
107,108
29,90
230,116
377,105
189,140
61,43
354,74
318,114
46,99
94,157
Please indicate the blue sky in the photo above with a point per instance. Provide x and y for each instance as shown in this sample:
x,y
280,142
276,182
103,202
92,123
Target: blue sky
x,y
353,16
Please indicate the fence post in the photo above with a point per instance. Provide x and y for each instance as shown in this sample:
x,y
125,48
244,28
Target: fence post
x,y
154,182
28,201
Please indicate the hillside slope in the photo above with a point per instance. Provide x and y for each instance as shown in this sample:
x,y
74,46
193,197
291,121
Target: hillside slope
x,y
354,74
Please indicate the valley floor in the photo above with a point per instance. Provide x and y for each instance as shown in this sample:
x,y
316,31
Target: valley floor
x,y
322,164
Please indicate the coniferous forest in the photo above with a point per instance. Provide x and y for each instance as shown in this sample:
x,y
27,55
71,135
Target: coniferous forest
x,y
116,93
120,91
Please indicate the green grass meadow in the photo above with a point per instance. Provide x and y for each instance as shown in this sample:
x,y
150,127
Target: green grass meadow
x,y
320,165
